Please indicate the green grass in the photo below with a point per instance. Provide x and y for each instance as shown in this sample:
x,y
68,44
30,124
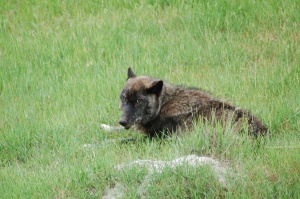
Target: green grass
x,y
63,64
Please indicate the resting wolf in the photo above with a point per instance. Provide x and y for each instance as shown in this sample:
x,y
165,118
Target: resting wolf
x,y
157,108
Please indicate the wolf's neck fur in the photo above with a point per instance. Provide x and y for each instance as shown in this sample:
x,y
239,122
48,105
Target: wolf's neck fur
x,y
184,99
170,92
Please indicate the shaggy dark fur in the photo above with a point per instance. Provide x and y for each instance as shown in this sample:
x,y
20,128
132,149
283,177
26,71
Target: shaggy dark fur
x,y
155,107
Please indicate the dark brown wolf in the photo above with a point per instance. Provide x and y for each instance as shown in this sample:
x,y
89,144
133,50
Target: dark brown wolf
x,y
157,108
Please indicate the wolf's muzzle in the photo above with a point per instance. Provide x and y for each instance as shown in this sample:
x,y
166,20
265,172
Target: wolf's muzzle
x,y
124,123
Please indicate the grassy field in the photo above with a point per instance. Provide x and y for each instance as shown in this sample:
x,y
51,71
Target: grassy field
x,y
63,64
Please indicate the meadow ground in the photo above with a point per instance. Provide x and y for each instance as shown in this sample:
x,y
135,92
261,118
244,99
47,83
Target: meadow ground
x,y
63,64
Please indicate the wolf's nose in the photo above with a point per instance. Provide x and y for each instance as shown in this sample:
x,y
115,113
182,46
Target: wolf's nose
x,y
123,123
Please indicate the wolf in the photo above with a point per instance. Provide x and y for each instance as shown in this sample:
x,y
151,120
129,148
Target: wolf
x,y
157,108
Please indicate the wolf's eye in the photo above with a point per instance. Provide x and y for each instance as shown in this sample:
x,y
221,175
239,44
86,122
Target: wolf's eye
x,y
138,101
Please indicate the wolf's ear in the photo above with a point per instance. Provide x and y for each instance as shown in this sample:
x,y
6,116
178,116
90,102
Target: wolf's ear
x,y
155,87
130,73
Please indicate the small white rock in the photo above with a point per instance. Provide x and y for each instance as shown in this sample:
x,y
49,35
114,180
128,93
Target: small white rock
x,y
108,128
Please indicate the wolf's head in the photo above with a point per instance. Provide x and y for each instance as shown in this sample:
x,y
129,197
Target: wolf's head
x,y
140,99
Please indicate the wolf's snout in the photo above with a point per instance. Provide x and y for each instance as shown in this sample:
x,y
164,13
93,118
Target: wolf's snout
x,y
123,123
